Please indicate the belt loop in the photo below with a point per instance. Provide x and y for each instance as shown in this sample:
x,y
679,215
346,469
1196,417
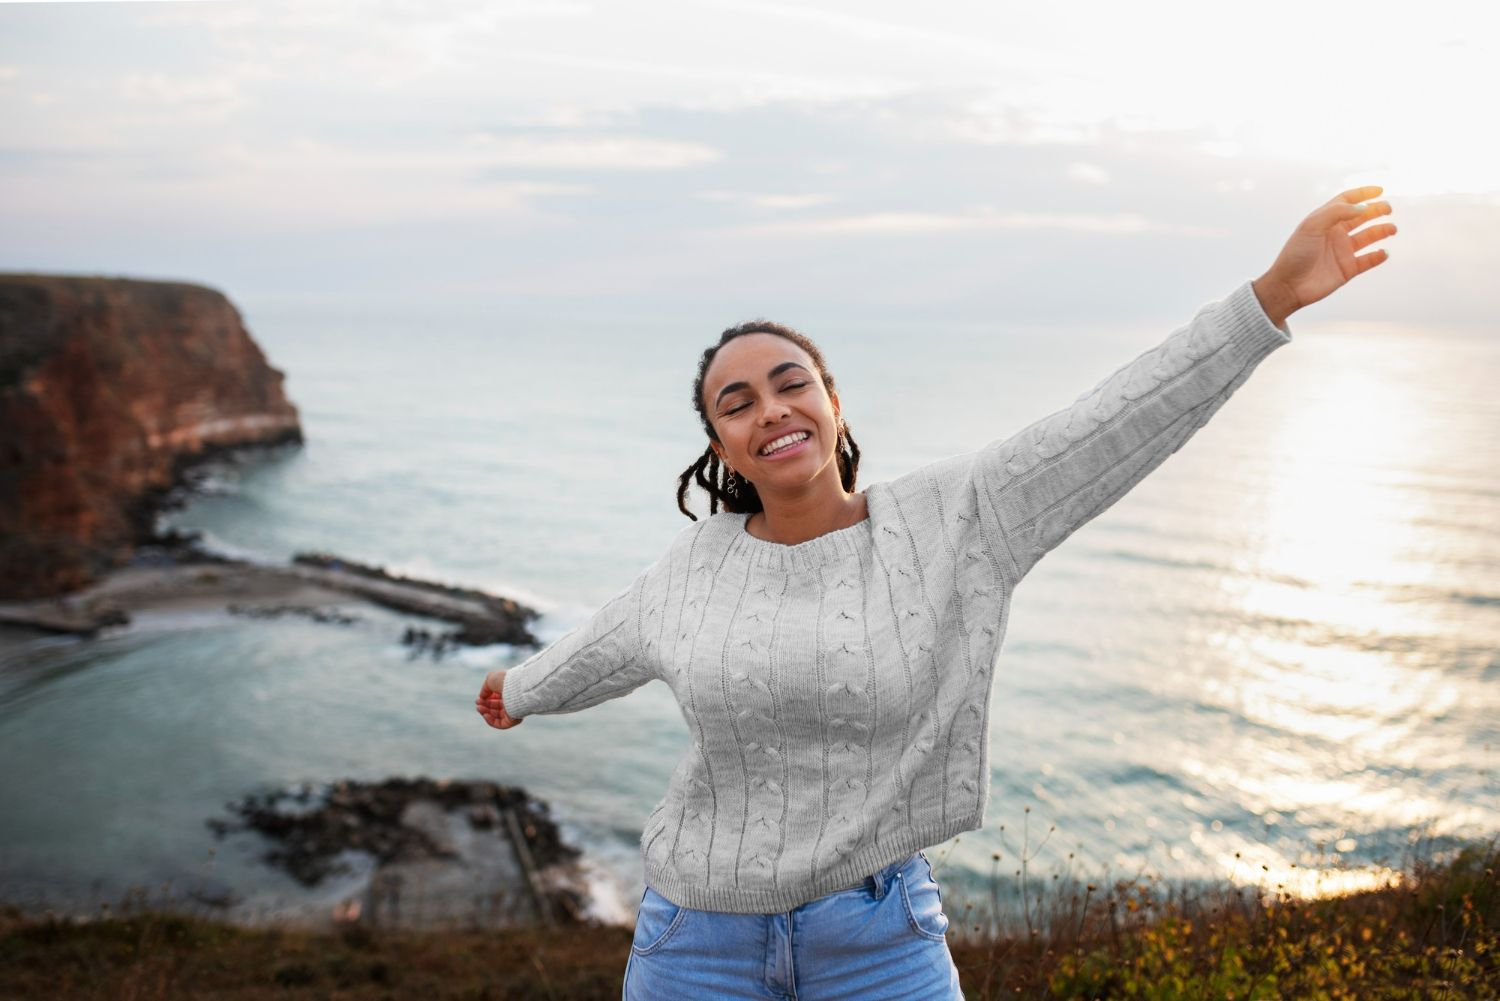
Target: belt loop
x,y
880,882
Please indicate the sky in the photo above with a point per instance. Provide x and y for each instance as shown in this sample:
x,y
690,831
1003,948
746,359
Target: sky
x,y
712,160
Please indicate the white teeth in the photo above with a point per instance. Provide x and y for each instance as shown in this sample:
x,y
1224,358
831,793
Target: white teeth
x,y
790,439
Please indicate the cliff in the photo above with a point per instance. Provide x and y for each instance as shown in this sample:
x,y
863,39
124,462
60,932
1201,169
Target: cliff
x,y
109,388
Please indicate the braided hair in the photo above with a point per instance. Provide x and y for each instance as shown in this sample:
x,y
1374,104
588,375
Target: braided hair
x,y
739,496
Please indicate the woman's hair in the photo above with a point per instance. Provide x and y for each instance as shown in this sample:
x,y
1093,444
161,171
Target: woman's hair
x,y
742,497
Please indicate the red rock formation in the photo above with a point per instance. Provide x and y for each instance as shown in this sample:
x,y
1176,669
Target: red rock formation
x,y
109,387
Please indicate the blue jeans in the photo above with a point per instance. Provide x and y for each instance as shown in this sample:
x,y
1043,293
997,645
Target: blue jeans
x,y
880,941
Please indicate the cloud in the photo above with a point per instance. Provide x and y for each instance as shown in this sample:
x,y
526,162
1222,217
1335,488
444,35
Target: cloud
x,y
763,201
722,86
588,153
907,36
292,187
898,223
167,99
569,150
1088,173
176,89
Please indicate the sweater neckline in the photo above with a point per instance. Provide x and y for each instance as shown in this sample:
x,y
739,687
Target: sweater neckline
x,y
851,540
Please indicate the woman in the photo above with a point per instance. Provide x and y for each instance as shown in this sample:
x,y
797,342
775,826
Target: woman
x,y
832,650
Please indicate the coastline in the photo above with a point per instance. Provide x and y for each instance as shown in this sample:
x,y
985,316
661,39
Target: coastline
x,y
178,576
110,602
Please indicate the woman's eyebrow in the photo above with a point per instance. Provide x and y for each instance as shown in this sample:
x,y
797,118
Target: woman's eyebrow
x,y
769,375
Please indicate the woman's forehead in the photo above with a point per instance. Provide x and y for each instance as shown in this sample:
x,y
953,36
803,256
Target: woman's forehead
x,y
751,357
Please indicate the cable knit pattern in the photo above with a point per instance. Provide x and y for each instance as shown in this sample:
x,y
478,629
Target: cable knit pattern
x,y
837,692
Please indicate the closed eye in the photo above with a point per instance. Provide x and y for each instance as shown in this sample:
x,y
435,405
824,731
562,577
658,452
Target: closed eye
x,y
785,389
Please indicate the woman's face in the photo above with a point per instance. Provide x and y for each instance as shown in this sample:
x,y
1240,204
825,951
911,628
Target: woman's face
x,y
758,389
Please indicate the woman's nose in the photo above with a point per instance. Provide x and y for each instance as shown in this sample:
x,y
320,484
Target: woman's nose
x,y
772,412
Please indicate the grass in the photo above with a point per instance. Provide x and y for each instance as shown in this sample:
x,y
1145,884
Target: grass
x,y
1432,931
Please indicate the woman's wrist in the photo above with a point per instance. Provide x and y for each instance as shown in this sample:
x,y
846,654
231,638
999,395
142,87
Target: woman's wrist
x,y
1278,301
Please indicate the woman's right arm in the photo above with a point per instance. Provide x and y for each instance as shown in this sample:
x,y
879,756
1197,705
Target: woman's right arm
x,y
601,659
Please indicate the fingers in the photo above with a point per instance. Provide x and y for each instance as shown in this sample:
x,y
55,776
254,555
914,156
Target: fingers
x,y
1343,210
1349,217
1365,262
491,706
1357,194
1372,209
1365,237
499,718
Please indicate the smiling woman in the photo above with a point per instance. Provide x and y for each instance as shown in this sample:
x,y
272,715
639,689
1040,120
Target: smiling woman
x,y
832,651
767,402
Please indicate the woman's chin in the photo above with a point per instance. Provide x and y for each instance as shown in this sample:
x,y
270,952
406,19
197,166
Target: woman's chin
x,y
790,479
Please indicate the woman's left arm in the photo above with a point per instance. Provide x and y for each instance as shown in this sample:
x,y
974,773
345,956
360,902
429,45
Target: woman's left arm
x,y
1043,483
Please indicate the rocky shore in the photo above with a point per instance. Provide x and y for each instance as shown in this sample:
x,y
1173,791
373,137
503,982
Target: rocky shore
x,y
446,853
175,574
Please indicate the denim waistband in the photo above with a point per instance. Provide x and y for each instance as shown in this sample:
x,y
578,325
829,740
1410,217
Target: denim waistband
x,y
878,883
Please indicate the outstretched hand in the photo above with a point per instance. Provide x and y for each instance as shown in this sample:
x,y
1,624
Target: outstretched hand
x,y
1322,253
490,704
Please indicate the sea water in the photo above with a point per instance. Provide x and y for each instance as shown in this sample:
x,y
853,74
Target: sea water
x,y
1276,660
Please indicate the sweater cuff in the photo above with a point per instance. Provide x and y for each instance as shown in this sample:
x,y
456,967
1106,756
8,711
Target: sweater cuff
x,y
519,690
1248,326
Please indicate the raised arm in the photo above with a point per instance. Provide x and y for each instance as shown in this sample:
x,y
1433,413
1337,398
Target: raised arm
x,y
1048,480
1051,478
601,659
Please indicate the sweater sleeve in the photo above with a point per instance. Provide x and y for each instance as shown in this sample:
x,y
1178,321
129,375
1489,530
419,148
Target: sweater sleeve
x,y
601,659
1040,485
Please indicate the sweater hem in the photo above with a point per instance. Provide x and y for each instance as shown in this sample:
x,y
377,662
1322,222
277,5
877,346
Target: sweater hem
x,y
858,867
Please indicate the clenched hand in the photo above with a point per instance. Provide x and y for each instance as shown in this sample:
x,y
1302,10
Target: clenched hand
x,y
491,704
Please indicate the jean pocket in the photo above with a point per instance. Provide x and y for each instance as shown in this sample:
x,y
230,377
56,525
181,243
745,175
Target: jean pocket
x,y
923,901
655,922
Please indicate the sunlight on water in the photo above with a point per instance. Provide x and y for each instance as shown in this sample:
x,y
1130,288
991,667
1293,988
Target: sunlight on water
x,y
1360,698
1343,675
1259,865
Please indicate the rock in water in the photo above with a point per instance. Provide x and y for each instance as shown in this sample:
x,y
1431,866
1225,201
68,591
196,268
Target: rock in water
x,y
445,852
109,389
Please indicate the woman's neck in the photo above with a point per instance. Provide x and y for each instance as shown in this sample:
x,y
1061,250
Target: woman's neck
x,y
794,520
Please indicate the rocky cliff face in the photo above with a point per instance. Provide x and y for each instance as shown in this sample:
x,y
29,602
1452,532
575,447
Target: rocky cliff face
x,y
108,389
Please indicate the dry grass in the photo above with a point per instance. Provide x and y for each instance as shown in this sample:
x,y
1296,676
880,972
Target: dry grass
x,y
1431,931
1434,932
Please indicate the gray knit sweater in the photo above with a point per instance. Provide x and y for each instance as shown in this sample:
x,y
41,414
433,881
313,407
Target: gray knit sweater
x,y
837,691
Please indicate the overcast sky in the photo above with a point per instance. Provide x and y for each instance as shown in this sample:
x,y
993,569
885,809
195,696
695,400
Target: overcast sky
x,y
1044,162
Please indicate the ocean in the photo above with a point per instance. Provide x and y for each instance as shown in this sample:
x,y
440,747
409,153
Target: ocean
x,y
1276,661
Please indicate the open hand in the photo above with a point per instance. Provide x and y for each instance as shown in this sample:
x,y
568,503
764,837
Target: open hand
x,y
1321,254
490,704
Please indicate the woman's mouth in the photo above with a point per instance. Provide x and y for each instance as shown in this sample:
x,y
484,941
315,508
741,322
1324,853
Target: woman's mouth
x,y
788,445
